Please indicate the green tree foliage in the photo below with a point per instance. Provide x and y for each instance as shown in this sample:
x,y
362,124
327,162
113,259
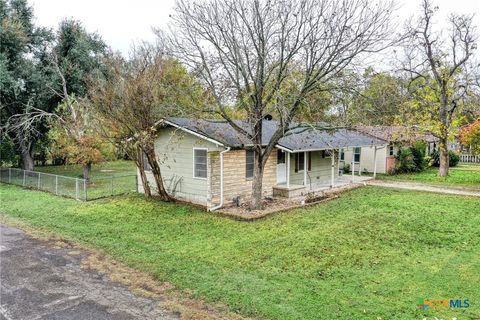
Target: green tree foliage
x,y
80,54
24,78
379,101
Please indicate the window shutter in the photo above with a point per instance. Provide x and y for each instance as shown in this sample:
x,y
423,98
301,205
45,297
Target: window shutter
x,y
309,161
296,162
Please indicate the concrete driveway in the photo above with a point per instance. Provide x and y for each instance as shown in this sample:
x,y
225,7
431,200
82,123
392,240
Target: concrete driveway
x,y
38,281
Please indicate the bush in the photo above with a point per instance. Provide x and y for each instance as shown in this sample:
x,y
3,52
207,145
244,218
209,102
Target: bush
x,y
453,157
411,159
346,168
405,161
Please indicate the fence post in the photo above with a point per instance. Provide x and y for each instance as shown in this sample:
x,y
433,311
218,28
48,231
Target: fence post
x,y
56,184
85,188
76,188
24,172
112,185
136,183
9,175
38,184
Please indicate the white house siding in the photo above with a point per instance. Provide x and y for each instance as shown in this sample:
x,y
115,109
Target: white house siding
x,y
174,149
321,169
366,158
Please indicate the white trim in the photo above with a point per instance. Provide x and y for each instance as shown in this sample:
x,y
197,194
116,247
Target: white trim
x,y
313,150
192,132
221,181
193,155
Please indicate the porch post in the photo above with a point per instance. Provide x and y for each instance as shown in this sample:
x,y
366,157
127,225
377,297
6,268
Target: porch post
x,y
375,162
305,168
333,169
353,167
287,155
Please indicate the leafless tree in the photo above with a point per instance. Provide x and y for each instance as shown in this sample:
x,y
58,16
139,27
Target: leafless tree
x,y
246,51
441,63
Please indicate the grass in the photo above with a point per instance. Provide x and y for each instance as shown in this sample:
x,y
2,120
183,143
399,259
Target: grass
x,y
101,170
368,255
463,175
107,178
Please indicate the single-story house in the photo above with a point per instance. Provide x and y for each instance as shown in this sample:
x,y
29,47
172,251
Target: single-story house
x,y
207,162
395,137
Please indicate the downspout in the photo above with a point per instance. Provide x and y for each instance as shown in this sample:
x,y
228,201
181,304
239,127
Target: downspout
x,y
221,181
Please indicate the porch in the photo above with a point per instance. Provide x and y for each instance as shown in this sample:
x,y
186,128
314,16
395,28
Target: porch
x,y
297,190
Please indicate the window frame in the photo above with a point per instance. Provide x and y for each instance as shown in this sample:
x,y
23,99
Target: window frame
x,y
206,163
309,161
359,154
342,155
246,163
391,150
146,165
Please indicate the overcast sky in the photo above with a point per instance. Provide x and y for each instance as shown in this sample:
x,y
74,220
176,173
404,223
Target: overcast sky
x,y
120,22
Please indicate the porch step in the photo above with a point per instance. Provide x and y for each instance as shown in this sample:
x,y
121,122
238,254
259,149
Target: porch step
x,y
289,192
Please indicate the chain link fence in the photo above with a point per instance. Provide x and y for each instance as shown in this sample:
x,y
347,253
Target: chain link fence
x,y
76,188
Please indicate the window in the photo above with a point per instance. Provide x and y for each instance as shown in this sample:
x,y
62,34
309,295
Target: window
x,y
326,154
342,155
146,165
356,154
390,150
300,161
200,163
280,157
249,163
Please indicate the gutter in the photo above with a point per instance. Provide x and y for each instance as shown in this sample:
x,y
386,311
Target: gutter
x,y
221,181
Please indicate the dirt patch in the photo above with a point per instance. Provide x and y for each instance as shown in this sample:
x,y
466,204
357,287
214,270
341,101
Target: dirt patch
x,y
276,205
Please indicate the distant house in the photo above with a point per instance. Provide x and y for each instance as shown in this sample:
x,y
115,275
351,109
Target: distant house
x,y
208,163
395,137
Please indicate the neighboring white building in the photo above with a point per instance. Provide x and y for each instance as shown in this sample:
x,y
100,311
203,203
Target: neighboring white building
x,y
395,137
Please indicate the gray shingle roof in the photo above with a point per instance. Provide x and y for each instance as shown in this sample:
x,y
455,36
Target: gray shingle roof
x,y
298,138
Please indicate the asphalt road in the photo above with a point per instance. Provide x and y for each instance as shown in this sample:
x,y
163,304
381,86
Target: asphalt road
x,y
38,281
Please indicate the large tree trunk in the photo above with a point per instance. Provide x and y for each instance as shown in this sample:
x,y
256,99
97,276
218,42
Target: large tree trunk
x,y
143,176
27,158
257,184
444,159
257,187
87,170
157,175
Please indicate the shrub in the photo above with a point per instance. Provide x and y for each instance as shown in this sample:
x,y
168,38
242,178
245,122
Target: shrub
x,y
346,168
411,159
418,152
453,158
405,161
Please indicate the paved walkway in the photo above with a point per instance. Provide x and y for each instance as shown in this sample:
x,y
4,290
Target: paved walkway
x,y
422,187
41,282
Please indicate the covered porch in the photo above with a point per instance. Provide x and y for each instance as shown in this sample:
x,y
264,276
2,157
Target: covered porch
x,y
310,161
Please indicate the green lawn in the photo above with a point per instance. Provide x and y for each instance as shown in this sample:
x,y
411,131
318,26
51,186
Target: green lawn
x,y
368,255
107,178
101,170
463,175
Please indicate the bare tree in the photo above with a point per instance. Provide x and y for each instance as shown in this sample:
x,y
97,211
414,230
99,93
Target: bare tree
x,y
135,95
245,51
440,72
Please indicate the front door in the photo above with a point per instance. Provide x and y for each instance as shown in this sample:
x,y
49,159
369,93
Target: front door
x,y
281,167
